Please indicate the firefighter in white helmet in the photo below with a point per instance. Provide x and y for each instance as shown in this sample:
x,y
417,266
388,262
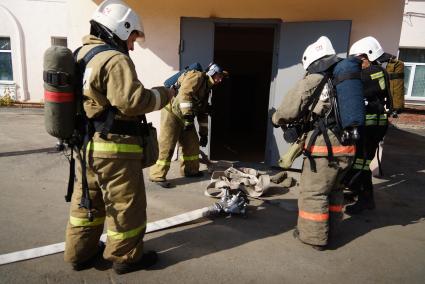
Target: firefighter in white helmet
x,y
320,199
377,105
114,168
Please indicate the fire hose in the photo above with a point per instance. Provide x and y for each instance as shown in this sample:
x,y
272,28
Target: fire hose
x,y
228,204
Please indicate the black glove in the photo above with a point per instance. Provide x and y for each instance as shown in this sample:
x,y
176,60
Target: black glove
x,y
188,121
208,109
203,140
188,127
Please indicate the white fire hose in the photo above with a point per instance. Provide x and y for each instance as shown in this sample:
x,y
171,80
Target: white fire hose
x,y
231,204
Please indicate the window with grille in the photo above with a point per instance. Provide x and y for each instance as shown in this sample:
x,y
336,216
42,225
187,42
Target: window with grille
x,y
414,81
61,41
6,70
414,72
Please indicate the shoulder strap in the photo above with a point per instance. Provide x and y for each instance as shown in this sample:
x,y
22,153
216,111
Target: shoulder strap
x,y
346,76
82,63
395,76
314,98
92,53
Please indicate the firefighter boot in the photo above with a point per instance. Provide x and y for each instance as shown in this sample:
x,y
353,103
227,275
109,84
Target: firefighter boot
x,y
147,260
78,266
364,201
296,235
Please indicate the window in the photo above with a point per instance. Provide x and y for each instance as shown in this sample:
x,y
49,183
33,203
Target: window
x,y
62,41
6,71
412,55
414,72
414,81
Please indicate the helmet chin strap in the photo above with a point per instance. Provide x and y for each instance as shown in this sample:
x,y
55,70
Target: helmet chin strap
x,y
107,36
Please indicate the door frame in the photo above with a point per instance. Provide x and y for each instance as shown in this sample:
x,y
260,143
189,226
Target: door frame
x,y
240,22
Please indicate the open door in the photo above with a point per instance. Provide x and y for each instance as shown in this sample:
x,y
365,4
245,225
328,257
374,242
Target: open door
x,y
240,103
294,38
197,45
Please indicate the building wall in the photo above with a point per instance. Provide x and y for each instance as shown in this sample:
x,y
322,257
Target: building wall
x,y
413,28
30,25
159,58
412,51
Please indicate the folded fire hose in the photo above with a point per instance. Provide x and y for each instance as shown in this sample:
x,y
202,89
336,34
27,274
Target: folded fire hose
x,y
250,181
228,204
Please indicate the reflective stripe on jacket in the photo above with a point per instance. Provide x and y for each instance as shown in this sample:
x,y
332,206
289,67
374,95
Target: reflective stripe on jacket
x,y
292,107
110,79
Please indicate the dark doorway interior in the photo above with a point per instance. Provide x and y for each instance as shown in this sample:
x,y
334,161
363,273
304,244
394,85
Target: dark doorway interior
x,y
240,104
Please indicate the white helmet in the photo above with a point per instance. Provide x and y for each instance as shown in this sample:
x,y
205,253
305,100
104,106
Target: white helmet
x,y
368,46
317,50
119,18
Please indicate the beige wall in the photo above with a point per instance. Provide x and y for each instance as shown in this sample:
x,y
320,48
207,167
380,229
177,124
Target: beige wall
x,y
159,57
413,29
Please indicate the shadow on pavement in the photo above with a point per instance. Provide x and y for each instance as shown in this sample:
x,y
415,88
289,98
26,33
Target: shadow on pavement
x,y
50,150
400,199
222,234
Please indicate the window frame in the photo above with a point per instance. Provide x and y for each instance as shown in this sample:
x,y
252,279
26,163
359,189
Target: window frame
x,y
408,95
8,82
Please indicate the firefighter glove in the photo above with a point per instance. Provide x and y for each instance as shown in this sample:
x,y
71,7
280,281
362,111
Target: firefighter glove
x,y
188,126
208,109
188,121
203,140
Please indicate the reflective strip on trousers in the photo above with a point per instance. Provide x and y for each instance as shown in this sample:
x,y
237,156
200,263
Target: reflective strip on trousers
x,y
114,147
318,217
360,164
335,150
163,162
84,222
335,208
372,119
125,235
190,158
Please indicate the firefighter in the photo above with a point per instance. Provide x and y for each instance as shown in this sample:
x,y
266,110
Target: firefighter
x,y
177,123
114,168
377,104
320,197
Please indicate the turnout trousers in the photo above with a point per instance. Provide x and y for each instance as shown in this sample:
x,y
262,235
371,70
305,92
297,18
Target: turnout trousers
x,y
172,131
320,199
118,198
359,178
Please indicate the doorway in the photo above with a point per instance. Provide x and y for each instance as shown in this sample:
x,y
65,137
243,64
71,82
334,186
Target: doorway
x,y
240,103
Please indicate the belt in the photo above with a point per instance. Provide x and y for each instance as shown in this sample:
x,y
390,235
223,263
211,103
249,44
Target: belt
x,y
122,127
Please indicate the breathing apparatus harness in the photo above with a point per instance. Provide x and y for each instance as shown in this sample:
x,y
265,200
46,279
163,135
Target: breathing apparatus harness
x,y
84,130
320,124
104,124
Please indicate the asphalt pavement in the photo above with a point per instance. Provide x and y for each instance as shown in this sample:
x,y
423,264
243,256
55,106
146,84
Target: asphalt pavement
x,y
386,245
